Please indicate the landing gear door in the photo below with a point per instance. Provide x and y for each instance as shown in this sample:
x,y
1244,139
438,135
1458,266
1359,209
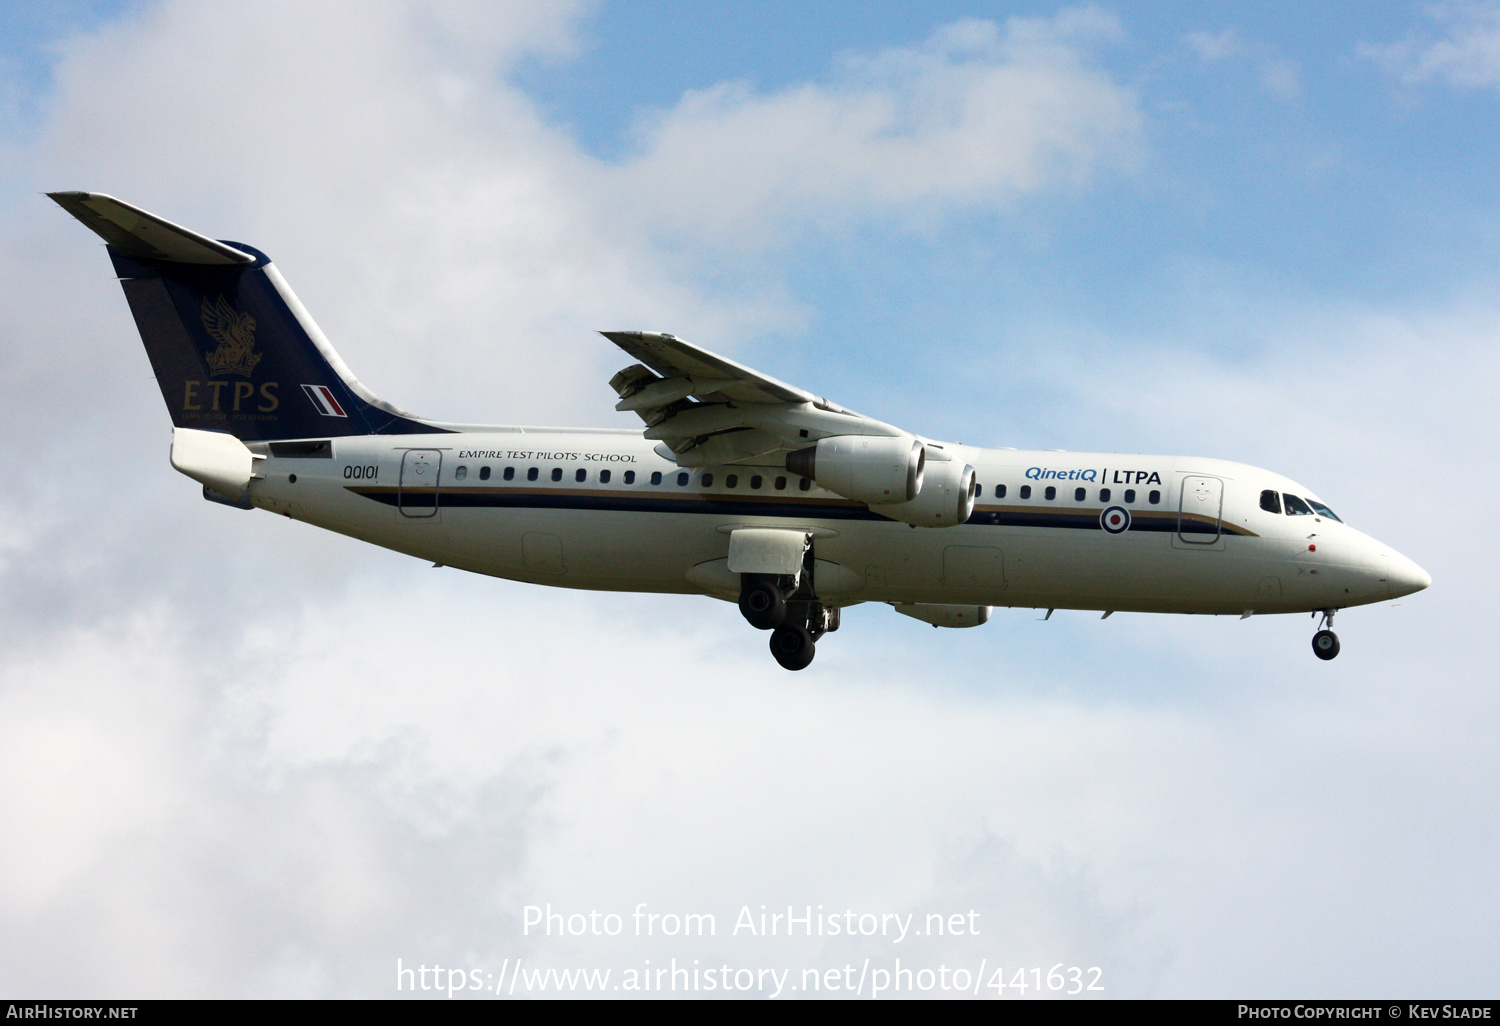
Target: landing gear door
x,y
1199,511
418,494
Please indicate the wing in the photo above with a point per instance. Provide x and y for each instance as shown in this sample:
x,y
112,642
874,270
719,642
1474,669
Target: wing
x,y
709,410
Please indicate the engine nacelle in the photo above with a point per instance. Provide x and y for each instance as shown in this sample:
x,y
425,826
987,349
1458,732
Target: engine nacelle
x,y
869,468
947,497
220,461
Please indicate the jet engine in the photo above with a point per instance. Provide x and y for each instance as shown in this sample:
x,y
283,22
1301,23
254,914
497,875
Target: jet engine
x,y
870,468
947,497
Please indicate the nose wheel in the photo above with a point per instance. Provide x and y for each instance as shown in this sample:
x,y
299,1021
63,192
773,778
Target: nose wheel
x,y
1325,643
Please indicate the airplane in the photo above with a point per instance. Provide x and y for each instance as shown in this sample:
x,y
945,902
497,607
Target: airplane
x,y
740,487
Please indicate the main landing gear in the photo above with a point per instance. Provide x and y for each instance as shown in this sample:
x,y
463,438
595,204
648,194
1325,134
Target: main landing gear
x,y
796,620
1325,643
762,603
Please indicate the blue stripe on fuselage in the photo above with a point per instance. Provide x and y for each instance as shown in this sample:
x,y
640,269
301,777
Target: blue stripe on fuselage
x,y
790,507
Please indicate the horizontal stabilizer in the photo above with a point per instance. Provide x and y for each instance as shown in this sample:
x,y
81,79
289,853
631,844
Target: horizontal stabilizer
x,y
136,233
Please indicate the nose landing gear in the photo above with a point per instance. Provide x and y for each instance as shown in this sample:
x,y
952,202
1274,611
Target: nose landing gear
x,y
1325,643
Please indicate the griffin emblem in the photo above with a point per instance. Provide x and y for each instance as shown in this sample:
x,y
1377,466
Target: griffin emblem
x,y
235,333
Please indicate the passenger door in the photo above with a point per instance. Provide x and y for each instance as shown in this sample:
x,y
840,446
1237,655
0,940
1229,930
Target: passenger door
x,y
1199,511
417,495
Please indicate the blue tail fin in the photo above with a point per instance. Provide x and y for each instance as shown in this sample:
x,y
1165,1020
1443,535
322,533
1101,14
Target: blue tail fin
x,y
232,347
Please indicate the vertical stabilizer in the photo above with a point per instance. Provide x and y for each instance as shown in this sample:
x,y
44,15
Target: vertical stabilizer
x,y
232,347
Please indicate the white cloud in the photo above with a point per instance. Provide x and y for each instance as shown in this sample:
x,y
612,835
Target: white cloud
x,y
244,757
374,144
1278,76
234,773
1281,78
1211,46
297,803
1466,56
379,144
974,118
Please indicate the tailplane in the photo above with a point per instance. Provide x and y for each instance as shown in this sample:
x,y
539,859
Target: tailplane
x,y
233,348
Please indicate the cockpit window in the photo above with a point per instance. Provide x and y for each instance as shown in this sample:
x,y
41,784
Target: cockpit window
x,y
1330,514
1295,507
1270,500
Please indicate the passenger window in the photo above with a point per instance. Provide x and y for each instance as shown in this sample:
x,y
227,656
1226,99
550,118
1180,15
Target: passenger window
x,y
1270,500
1295,507
531,474
755,482
510,474
557,473
732,481
1330,514
1079,494
780,484
1026,491
1051,493
708,480
604,477
1154,497
1104,495
630,477
999,491
656,477
580,475
804,483
1130,495
484,473
460,473
682,479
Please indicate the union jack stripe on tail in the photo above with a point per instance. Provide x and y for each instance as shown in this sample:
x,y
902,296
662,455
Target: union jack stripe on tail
x,y
322,397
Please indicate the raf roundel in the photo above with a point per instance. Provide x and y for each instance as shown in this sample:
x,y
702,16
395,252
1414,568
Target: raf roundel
x,y
1115,520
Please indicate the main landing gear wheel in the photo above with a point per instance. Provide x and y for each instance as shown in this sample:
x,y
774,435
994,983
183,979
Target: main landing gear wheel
x,y
761,603
793,646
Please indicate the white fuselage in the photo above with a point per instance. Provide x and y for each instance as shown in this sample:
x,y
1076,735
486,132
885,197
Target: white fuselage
x,y
1198,540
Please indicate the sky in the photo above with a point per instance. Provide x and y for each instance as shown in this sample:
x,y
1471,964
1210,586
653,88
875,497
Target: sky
x,y
240,757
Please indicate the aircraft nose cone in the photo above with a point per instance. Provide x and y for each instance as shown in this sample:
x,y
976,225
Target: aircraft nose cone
x,y
1405,577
